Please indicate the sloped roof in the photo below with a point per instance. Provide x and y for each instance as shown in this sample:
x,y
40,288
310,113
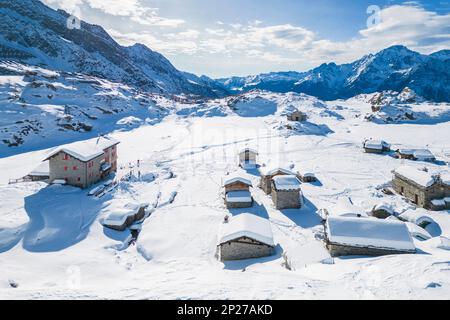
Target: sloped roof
x,y
345,208
376,144
375,233
41,170
422,178
230,181
271,171
250,226
85,150
286,183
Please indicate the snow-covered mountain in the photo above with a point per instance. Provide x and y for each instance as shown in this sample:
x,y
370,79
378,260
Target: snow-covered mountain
x,y
394,68
35,34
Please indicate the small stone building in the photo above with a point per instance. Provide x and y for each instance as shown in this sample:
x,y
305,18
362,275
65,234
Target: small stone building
x,y
307,177
416,155
247,158
237,193
344,207
266,178
297,116
286,192
123,217
419,186
246,236
376,146
83,163
367,237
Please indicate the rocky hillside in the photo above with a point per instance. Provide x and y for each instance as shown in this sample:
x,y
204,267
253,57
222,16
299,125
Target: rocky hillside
x,y
394,68
35,34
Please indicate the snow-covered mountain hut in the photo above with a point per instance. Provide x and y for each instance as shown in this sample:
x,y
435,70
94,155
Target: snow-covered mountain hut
x,y
237,193
286,192
267,176
423,188
83,163
376,146
297,116
246,236
247,158
367,237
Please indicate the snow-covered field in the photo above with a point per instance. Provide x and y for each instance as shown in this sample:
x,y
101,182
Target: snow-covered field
x,y
52,244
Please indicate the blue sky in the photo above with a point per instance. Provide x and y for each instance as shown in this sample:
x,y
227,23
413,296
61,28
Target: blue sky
x,y
225,38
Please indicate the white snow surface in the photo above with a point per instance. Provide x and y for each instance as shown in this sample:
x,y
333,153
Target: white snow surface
x,y
250,226
375,233
53,244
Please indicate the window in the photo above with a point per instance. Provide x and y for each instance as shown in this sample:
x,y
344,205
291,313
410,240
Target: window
x,y
78,179
66,156
416,199
66,168
75,168
402,190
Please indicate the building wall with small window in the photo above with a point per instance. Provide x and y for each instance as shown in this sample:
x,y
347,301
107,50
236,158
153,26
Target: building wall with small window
x,y
65,167
419,195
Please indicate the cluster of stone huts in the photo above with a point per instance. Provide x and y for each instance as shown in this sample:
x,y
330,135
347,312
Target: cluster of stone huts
x,y
248,236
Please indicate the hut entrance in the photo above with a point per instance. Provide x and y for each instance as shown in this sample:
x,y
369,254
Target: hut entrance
x,y
416,199
247,156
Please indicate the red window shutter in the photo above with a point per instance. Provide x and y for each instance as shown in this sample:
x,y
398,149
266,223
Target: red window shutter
x,y
66,168
75,168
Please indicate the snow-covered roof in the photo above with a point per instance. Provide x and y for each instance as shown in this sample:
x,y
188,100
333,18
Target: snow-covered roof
x,y
417,216
422,178
85,150
420,154
118,213
42,170
376,144
230,181
250,226
376,233
272,171
417,231
286,183
238,196
345,208
248,149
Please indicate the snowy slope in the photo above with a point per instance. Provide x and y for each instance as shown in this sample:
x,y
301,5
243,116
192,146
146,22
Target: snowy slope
x,y
53,245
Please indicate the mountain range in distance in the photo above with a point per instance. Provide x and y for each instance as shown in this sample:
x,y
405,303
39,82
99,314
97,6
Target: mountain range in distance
x,y
34,34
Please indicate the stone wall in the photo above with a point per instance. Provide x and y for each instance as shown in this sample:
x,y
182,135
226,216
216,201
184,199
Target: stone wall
x,y
410,190
238,205
286,199
244,248
337,250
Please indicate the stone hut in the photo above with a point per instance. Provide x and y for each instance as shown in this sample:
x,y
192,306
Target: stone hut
x,y
237,193
246,236
84,163
297,116
367,237
307,177
268,175
121,217
421,187
415,154
247,158
286,192
376,146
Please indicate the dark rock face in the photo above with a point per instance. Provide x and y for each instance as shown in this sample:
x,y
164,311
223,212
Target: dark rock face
x,y
34,34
